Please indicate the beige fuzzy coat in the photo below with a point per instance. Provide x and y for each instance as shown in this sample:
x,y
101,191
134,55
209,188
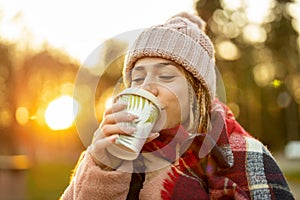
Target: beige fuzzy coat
x,y
91,182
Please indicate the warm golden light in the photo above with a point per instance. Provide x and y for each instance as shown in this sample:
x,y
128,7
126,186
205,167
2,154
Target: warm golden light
x,y
255,14
276,83
5,117
263,74
293,10
231,4
22,115
33,23
258,14
61,112
254,33
297,95
108,102
228,50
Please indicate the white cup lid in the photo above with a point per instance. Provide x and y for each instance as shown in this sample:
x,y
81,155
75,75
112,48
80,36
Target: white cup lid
x,y
143,93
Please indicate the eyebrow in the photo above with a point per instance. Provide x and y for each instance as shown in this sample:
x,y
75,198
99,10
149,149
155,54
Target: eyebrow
x,y
157,65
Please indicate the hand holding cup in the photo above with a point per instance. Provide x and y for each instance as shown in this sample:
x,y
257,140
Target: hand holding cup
x,y
146,106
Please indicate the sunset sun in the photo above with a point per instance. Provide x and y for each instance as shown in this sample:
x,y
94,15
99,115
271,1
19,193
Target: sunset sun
x,y
61,112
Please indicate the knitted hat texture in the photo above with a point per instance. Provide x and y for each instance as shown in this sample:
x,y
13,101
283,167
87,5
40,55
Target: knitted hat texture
x,y
181,39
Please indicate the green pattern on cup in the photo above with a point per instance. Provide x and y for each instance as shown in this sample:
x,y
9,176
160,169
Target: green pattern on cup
x,y
145,105
142,107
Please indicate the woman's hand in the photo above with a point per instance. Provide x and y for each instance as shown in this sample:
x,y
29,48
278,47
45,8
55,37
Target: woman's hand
x,y
108,132
109,127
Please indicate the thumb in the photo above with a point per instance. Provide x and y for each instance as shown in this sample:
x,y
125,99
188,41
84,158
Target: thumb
x,y
97,150
101,144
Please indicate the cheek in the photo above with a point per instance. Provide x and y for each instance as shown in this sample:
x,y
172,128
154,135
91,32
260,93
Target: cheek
x,y
184,105
182,97
176,105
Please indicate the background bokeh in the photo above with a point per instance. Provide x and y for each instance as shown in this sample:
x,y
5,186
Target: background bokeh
x,y
257,53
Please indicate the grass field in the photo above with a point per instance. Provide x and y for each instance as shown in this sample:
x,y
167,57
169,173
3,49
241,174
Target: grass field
x,y
47,180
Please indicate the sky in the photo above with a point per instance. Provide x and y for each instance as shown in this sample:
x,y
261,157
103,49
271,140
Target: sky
x,y
78,27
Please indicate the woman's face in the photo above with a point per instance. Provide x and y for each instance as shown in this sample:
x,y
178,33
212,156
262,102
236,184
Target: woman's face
x,y
166,80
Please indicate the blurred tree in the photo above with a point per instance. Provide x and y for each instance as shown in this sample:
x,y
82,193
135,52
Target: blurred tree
x,y
41,77
258,56
7,101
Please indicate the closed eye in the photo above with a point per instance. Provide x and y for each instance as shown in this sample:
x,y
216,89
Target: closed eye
x,y
137,80
166,77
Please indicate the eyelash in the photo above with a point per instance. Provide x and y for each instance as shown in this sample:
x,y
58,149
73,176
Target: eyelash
x,y
136,80
167,77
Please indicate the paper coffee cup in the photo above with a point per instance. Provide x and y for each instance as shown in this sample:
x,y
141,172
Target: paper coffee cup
x,y
147,107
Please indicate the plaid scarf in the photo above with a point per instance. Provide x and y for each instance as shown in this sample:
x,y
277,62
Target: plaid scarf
x,y
225,163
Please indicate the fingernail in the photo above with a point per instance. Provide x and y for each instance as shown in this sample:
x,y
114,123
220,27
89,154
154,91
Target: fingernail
x,y
114,138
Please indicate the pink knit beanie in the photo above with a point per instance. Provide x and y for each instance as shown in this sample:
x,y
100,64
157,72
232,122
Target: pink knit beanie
x,y
181,39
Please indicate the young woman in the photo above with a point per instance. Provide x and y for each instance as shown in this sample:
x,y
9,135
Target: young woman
x,y
199,151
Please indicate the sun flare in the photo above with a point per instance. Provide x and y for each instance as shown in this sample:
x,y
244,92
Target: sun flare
x,y
61,112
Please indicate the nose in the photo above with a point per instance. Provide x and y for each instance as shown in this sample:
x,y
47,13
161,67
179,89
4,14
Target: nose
x,y
150,87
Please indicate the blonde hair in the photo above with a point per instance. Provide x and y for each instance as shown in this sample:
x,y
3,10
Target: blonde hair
x,y
200,104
